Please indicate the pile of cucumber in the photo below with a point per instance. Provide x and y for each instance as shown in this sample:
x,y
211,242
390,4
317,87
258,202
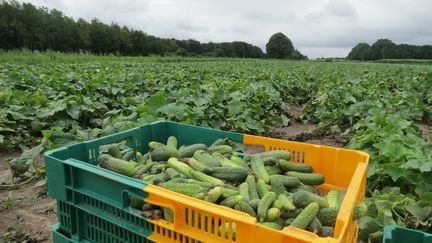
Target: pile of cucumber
x,y
268,187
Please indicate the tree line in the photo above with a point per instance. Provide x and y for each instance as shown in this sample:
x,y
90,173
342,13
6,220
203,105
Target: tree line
x,y
26,26
386,49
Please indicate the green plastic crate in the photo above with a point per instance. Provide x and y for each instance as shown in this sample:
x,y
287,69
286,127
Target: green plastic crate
x,y
92,202
394,234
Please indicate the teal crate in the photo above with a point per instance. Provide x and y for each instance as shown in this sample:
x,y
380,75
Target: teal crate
x,y
92,202
394,234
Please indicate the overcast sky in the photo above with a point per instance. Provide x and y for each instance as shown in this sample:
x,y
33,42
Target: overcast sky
x,y
318,28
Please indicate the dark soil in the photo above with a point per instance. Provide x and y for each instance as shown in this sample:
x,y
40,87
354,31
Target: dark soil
x,y
32,215
426,131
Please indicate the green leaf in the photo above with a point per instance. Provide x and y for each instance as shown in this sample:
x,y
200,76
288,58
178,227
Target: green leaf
x,y
393,170
40,183
73,111
421,213
423,166
156,101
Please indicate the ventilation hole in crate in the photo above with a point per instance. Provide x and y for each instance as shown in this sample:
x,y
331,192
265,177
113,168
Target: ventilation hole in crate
x,y
303,157
199,221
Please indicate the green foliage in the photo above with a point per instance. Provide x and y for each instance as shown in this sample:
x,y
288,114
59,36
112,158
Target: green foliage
x,y
279,46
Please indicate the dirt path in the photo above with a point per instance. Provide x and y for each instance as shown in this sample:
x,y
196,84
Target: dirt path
x,y
26,212
426,131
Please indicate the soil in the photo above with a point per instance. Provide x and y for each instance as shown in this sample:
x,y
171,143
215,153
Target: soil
x,y
426,130
31,220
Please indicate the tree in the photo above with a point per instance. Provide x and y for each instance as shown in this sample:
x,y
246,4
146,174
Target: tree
x,y
378,46
359,51
279,46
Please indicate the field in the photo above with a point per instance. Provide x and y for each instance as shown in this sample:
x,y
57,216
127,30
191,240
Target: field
x,y
383,109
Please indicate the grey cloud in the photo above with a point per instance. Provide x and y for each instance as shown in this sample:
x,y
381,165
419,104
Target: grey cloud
x,y
316,27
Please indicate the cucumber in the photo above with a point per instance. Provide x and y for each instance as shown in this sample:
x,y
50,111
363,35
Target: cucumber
x,y
168,214
206,159
142,169
232,201
245,207
153,145
272,214
277,204
201,183
222,149
114,151
187,189
196,165
326,231
163,153
254,203
287,181
262,188
276,154
272,225
128,155
117,165
287,202
273,170
253,193
135,202
139,158
172,142
224,161
231,174
277,186
360,210
303,198
244,191
289,166
264,205
306,216
341,197
227,230
238,161
213,194
308,178
258,168
327,216
219,141
180,167
228,192
315,226
188,151
332,199
206,178
173,173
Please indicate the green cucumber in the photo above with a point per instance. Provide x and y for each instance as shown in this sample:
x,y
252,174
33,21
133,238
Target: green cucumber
x,y
180,167
206,178
262,188
206,159
117,165
272,225
258,168
188,151
244,191
306,216
245,207
222,149
287,201
332,199
228,192
187,189
153,145
308,178
315,226
163,153
253,193
303,198
327,216
264,205
289,166
232,201
114,151
272,214
231,174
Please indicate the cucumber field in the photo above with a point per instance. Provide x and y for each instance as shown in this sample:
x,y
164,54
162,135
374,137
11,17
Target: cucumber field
x,y
382,109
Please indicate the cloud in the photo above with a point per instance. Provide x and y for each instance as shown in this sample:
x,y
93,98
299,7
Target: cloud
x,y
316,27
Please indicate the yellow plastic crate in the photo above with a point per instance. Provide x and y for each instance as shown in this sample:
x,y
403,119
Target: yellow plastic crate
x,y
86,208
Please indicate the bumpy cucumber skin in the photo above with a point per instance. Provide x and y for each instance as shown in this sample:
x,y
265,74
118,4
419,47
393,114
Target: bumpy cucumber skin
x,y
245,207
326,231
289,166
308,178
222,149
163,153
253,193
258,168
206,178
277,186
244,191
228,192
277,154
360,210
315,226
303,198
188,151
327,216
332,198
286,201
114,151
232,201
287,181
153,145
262,188
306,216
231,174
117,165
273,170
272,214
187,189
180,167
264,205
254,203
206,159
